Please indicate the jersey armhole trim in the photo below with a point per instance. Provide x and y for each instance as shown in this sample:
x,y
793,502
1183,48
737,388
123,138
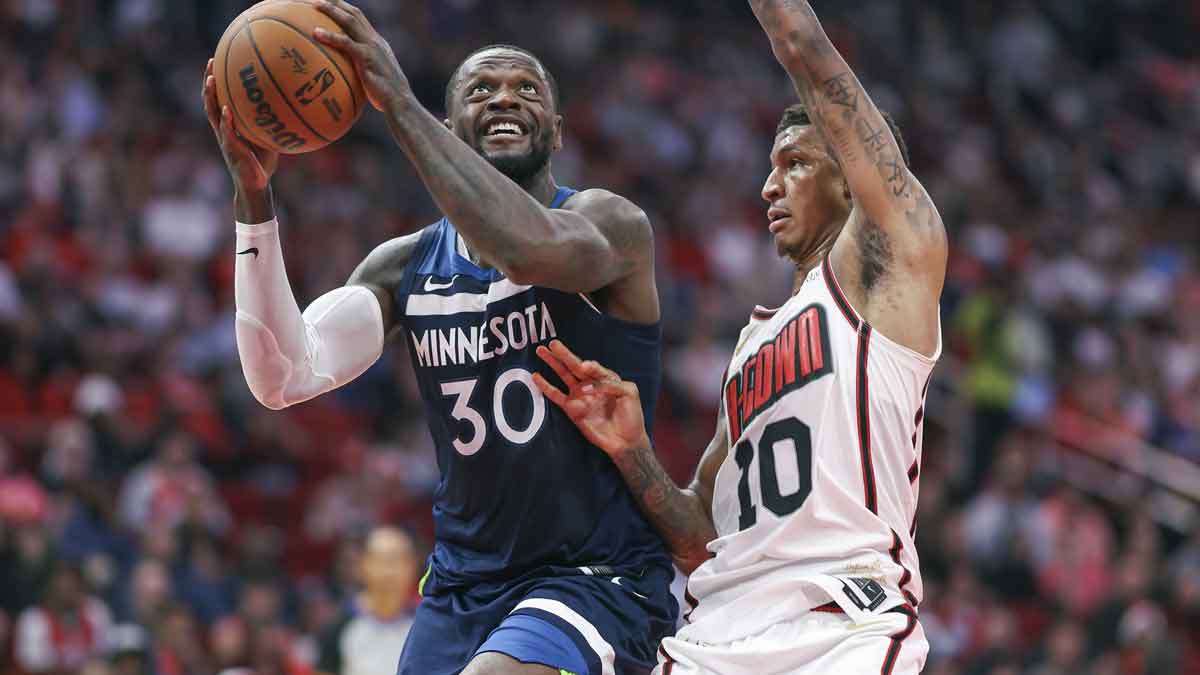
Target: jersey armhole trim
x,y
848,311
418,259
839,298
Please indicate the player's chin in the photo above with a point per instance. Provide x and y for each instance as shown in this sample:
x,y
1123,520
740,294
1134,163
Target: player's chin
x,y
785,242
505,146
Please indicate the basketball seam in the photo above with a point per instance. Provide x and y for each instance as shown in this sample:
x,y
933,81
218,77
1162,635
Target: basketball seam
x,y
282,94
320,48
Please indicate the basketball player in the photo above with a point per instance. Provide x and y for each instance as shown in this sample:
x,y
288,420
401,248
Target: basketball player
x,y
799,524
542,561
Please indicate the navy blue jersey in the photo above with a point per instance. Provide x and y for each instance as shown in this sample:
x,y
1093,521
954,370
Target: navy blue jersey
x,y
521,490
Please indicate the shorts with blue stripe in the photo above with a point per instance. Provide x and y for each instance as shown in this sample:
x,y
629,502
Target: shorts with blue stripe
x,y
583,621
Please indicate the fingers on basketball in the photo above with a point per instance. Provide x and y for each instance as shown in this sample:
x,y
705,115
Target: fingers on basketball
x,y
229,135
208,96
339,41
349,17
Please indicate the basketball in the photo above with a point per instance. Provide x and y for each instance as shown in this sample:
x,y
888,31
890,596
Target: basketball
x,y
288,92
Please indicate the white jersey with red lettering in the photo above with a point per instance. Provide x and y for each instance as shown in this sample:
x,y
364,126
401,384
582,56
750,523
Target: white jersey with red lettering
x,y
816,501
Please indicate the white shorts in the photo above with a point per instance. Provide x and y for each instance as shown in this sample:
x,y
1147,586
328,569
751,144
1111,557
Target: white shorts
x,y
817,643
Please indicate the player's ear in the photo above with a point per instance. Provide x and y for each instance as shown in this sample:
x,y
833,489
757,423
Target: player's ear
x,y
558,127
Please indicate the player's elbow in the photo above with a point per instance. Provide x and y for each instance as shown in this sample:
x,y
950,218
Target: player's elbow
x,y
567,263
522,272
266,393
271,403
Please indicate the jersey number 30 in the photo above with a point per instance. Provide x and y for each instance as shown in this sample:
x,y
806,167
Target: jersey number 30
x,y
775,438
470,443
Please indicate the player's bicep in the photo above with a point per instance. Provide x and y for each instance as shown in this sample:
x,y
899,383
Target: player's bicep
x,y
600,239
381,271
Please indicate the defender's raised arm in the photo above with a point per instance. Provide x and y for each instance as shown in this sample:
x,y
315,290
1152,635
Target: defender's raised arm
x,y
895,228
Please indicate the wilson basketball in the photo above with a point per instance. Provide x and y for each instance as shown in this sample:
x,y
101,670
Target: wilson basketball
x,y
288,92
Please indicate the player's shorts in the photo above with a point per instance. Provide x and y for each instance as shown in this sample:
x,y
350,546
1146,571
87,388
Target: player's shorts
x,y
586,623
815,643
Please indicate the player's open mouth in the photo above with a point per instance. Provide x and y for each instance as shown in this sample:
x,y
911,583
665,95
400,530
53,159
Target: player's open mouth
x,y
778,218
504,129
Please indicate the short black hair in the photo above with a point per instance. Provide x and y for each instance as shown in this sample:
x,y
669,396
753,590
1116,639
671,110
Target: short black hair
x,y
456,78
796,115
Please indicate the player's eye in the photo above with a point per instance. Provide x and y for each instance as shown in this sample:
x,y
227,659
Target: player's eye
x,y
480,88
798,163
528,88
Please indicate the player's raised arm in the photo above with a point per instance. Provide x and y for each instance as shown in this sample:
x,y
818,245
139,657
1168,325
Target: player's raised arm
x,y
608,411
887,197
289,356
513,231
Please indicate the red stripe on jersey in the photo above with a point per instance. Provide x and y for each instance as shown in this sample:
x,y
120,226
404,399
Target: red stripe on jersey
x,y
893,652
669,664
839,298
785,357
864,418
897,546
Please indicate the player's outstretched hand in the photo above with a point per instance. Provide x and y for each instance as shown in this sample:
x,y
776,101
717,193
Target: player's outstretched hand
x,y
378,70
250,166
607,409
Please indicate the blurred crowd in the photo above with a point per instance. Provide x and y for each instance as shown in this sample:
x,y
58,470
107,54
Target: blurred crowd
x,y
154,518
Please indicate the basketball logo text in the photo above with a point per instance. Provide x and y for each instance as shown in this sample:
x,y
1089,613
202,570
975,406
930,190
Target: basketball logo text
x,y
265,118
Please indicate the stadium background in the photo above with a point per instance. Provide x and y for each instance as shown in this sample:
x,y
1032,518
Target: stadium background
x,y
1061,139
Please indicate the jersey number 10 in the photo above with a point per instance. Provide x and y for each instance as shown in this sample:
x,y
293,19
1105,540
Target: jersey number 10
x,y
791,431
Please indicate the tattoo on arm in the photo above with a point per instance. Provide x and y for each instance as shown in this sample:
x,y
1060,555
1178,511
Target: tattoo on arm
x,y
678,515
841,109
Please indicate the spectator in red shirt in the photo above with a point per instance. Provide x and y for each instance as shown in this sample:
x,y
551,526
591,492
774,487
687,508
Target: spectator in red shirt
x,y
65,629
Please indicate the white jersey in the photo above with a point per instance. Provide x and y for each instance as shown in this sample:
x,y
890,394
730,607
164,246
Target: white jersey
x,y
816,501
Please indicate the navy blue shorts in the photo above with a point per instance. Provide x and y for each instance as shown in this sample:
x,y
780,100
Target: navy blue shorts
x,y
584,623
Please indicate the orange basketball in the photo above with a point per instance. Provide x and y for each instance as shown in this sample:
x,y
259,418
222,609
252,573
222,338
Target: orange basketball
x,y
288,92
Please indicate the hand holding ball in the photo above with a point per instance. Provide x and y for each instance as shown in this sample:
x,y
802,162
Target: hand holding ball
x,y
287,92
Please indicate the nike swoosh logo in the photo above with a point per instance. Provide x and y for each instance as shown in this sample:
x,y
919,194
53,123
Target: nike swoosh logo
x,y
430,286
617,581
249,250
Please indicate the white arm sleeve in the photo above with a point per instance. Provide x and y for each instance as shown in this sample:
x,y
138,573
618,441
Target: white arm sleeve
x,y
289,357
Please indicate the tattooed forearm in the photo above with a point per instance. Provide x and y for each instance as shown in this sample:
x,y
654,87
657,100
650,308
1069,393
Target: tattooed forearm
x,y
885,155
838,105
677,514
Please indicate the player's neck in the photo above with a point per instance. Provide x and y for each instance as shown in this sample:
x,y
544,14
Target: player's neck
x,y
541,186
805,264
798,279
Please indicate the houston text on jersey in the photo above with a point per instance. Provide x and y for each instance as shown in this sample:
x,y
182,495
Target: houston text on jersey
x,y
798,355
